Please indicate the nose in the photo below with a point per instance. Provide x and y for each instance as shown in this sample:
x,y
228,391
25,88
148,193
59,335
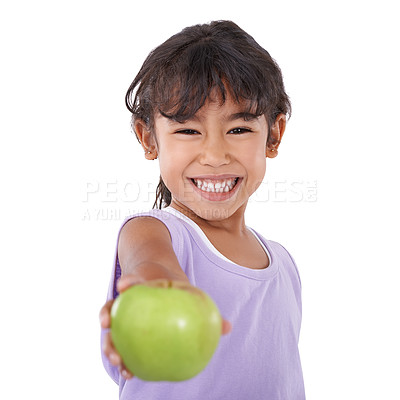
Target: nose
x,y
214,152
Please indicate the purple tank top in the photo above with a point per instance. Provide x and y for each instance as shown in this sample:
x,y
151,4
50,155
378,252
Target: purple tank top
x,y
259,359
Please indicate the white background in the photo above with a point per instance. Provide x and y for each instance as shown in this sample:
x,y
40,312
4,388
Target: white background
x,y
331,197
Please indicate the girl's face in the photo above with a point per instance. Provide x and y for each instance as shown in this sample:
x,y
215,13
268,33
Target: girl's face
x,y
214,162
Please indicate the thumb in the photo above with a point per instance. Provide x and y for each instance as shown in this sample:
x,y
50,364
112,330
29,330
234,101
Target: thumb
x,y
127,281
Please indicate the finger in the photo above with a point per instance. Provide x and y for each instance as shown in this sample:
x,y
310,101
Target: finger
x,y
110,352
127,281
115,358
125,372
104,315
226,327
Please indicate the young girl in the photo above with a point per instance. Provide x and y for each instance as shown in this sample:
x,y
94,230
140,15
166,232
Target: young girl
x,y
210,105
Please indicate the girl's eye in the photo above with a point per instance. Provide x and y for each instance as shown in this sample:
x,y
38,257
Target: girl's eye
x,y
238,131
188,132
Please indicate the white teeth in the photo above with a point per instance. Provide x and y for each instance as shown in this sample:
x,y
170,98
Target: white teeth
x,y
221,186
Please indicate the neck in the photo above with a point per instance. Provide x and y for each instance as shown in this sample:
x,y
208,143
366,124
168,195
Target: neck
x,y
234,223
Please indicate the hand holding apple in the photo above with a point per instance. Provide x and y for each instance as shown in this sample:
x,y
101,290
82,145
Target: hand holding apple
x,y
125,282
165,330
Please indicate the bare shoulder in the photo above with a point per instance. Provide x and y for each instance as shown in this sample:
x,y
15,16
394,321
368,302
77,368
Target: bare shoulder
x,y
145,228
143,235
146,241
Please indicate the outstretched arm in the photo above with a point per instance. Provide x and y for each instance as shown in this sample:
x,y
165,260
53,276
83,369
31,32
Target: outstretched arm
x,y
145,250
145,253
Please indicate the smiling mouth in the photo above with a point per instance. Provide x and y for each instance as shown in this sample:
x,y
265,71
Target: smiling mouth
x,y
215,185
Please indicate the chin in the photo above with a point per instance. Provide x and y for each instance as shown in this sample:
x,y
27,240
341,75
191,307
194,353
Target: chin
x,y
214,213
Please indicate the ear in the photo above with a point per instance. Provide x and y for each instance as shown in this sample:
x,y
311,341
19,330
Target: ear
x,y
275,136
146,139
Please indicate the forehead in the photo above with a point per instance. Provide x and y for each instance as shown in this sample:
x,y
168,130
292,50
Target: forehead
x,y
224,110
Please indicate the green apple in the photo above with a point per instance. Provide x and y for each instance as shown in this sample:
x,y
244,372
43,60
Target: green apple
x,y
165,331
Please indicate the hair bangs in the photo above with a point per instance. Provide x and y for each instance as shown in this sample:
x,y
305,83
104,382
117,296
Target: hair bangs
x,y
207,71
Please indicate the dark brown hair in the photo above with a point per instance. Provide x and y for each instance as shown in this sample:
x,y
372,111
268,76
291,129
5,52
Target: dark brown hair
x,y
178,76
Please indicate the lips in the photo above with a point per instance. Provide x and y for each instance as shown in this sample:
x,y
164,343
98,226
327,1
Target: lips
x,y
215,185
216,188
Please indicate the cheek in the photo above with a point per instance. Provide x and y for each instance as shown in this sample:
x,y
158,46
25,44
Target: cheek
x,y
172,168
258,169
255,163
254,155
167,171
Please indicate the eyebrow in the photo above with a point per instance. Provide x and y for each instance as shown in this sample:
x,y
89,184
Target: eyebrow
x,y
243,115
247,116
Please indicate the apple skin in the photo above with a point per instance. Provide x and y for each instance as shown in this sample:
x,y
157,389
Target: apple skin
x,y
165,330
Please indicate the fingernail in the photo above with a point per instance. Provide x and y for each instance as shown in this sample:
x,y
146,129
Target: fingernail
x,y
114,359
125,374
